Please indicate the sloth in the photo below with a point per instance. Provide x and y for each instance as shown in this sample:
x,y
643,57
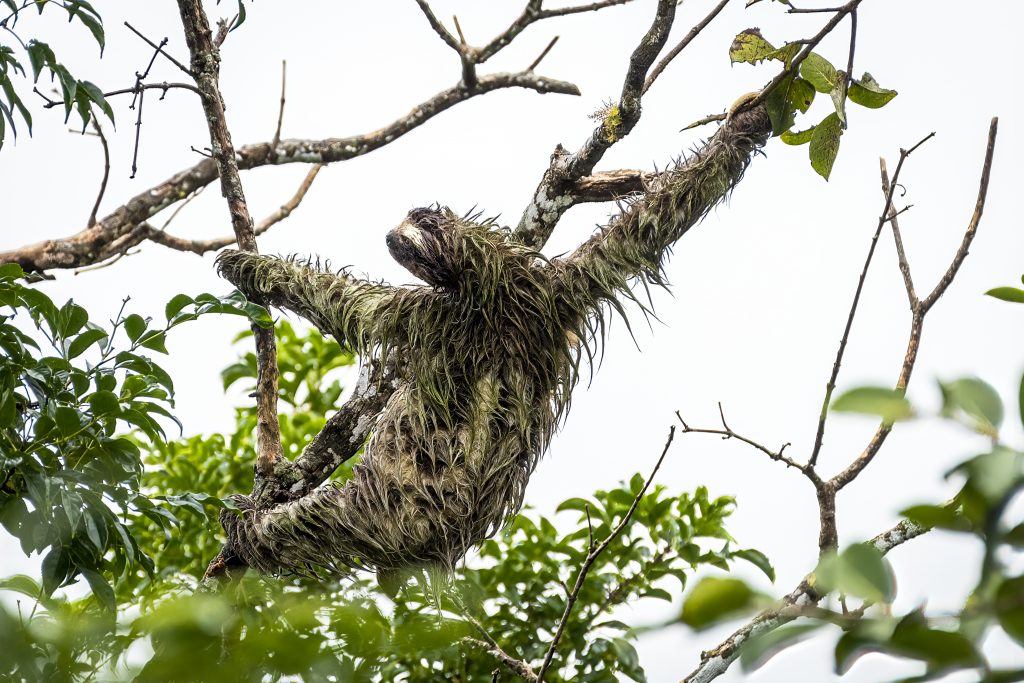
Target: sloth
x,y
487,353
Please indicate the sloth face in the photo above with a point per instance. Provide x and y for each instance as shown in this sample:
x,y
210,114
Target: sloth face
x,y
422,244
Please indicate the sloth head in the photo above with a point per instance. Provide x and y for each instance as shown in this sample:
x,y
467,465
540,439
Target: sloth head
x,y
451,252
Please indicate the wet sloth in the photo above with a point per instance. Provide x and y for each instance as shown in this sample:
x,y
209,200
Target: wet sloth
x,y
488,353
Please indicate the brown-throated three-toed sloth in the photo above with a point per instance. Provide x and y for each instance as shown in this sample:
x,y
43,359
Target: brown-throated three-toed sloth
x,y
487,355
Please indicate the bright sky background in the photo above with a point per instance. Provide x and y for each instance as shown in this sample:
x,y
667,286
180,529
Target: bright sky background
x,y
761,288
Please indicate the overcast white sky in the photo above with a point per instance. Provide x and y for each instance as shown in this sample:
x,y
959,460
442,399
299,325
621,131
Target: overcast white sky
x,y
761,288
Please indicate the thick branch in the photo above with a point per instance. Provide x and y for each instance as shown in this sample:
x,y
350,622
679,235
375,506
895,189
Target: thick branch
x,y
93,245
206,70
554,196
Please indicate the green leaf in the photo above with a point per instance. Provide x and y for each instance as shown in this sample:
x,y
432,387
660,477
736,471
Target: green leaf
x,y
759,649
801,95
104,403
759,560
838,95
750,47
866,92
1011,294
155,340
825,145
975,399
19,583
84,341
94,94
938,517
715,599
1009,606
55,569
95,27
798,138
780,107
100,588
889,404
68,420
820,72
787,52
174,306
134,326
859,570
11,271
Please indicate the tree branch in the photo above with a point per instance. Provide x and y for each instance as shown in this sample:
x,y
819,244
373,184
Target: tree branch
x,y
205,61
554,195
716,661
831,384
94,245
726,433
844,477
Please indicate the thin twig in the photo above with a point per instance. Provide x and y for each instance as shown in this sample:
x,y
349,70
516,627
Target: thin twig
x,y
972,227
204,246
674,52
851,472
280,112
159,48
727,433
594,553
106,169
135,89
138,134
542,55
830,386
901,255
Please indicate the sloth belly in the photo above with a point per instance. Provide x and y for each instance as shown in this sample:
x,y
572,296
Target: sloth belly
x,y
443,490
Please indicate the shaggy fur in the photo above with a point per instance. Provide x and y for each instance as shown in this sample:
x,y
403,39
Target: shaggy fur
x,y
490,351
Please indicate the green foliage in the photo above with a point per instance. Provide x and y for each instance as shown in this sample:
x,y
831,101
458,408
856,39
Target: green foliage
x,y
68,387
1011,294
888,404
414,626
75,93
794,95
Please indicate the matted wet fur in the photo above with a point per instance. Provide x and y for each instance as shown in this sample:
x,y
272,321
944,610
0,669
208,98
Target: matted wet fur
x,y
489,352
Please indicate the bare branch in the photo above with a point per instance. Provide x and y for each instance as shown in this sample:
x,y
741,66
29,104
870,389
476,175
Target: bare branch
x,y
727,433
159,49
516,666
200,247
533,12
908,280
851,472
681,45
106,171
98,243
972,227
592,555
831,384
165,86
280,111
